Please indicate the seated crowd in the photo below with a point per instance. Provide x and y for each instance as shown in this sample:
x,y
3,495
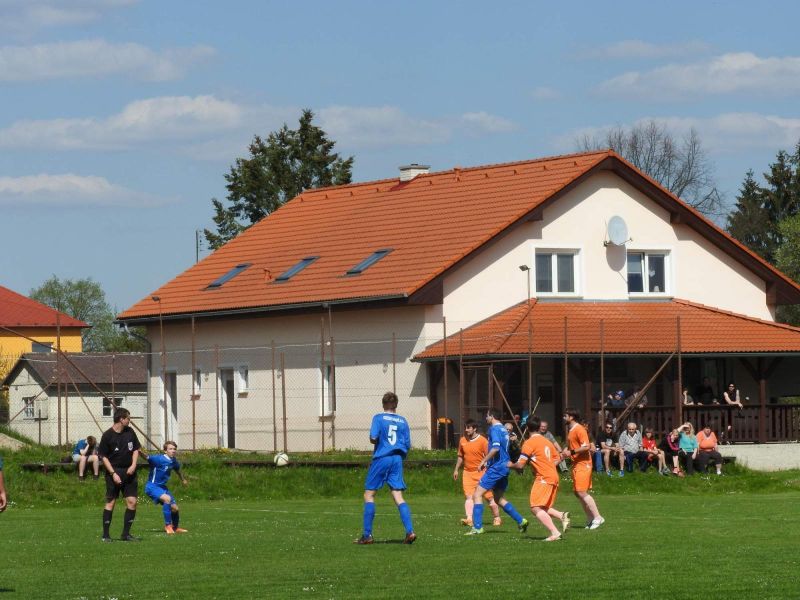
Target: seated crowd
x,y
679,451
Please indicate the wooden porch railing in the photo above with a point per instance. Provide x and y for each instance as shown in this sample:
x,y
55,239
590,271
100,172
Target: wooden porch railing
x,y
782,421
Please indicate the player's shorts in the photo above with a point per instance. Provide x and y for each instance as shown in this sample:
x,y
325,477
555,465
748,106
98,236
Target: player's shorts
x,y
385,470
156,491
543,494
494,480
128,489
470,480
76,458
582,476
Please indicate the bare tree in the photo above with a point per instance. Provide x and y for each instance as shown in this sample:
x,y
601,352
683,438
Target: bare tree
x,y
682,166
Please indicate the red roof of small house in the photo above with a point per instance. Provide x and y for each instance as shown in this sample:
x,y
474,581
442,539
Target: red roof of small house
x,y
17,310
627,327
428,224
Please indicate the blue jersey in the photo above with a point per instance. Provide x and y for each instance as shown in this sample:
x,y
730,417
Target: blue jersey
x,y
161,467
391,433
498,438
80,445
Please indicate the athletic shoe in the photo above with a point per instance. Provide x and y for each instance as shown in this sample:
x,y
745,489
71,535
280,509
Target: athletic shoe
x,y
622,473
364,540
719,473
181,530
81,478
597,522
496,522
553,538
130,538
410,538
608,473
475,531
523,526
95,477
106,539
565,522
467,522
169,530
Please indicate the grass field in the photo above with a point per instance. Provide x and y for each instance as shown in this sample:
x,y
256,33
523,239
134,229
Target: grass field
x,y
713,543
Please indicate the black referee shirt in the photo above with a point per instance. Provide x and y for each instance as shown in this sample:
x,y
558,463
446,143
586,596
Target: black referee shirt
x,y
118,448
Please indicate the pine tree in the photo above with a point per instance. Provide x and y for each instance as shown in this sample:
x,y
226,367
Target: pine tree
x,y
279,168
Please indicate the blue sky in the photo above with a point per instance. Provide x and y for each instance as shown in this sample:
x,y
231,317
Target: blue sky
x,y
119,118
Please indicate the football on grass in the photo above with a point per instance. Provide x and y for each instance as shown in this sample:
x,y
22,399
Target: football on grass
x,y
281,459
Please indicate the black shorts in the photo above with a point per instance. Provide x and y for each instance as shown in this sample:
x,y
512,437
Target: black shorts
x,y
128,489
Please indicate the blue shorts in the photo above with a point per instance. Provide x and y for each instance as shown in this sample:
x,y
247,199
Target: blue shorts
x,y
385,470
494,480
156,491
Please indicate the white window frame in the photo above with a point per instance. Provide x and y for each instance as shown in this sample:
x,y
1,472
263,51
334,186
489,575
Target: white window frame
x,y
29,407
577,272
198,379
118,400
242,380
668,270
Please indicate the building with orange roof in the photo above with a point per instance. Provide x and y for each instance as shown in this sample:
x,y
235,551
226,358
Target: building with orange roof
x,y
345,292
30,326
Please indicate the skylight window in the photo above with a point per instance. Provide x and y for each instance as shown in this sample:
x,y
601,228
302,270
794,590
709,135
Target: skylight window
x,y
287,275
220,281
368,262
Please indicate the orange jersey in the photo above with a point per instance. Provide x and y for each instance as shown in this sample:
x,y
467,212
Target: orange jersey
x,y
576,438
472,451
543,457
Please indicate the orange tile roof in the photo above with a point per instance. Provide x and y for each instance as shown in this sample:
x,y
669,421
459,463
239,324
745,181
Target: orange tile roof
x,y
17,310
430,223
632,327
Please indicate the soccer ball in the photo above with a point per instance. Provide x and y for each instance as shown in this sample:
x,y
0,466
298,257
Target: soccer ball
x,y
281,459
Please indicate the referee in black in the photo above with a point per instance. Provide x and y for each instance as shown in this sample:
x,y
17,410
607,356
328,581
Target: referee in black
x,y
119,451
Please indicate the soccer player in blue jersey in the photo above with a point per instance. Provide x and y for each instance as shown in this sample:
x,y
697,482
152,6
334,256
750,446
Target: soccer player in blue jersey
x,y
161,466
496,463
392,439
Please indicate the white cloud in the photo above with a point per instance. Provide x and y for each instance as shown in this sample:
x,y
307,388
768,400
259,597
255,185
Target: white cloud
x,y
723,133
92,58
545,93
639,49
367,126
165,118
727,73
23,17
69,190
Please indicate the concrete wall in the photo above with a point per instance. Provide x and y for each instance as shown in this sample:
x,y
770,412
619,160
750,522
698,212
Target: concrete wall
x,y
765,457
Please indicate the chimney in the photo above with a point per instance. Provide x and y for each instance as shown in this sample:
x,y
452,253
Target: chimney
x,y
408,172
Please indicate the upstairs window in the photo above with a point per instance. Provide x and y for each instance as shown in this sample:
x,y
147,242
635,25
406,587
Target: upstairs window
x,y
556,272
647,272
41,347
287,275
220,281
368,262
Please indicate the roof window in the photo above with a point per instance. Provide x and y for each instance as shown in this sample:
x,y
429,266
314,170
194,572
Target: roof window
x,y
220,281
287,275
368,262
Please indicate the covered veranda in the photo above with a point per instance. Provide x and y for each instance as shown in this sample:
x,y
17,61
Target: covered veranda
x,y
545,356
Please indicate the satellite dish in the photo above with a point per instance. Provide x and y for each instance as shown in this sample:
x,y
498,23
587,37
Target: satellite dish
x,y
617,231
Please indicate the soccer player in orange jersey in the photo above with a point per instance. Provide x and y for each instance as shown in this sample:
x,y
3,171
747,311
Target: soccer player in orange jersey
x,y
471,450
543,457
579,449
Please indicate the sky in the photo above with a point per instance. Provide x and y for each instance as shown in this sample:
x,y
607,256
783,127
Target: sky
x,y
120,118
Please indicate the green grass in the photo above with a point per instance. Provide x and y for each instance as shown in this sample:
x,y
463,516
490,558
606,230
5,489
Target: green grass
x,y
725,545
287,533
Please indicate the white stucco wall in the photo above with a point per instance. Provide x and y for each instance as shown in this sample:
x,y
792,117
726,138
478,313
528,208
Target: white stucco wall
x,y
697,271
364,369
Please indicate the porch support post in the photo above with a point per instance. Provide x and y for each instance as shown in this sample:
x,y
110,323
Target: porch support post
x,y
587,390
762,403
434,376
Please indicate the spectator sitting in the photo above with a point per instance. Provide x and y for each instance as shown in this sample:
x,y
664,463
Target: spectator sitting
x,y
687,399
705,393
731,396
85,451
688,445
514,447
670,445
630,442
637,397
654,453
616,400
707,444
608,448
